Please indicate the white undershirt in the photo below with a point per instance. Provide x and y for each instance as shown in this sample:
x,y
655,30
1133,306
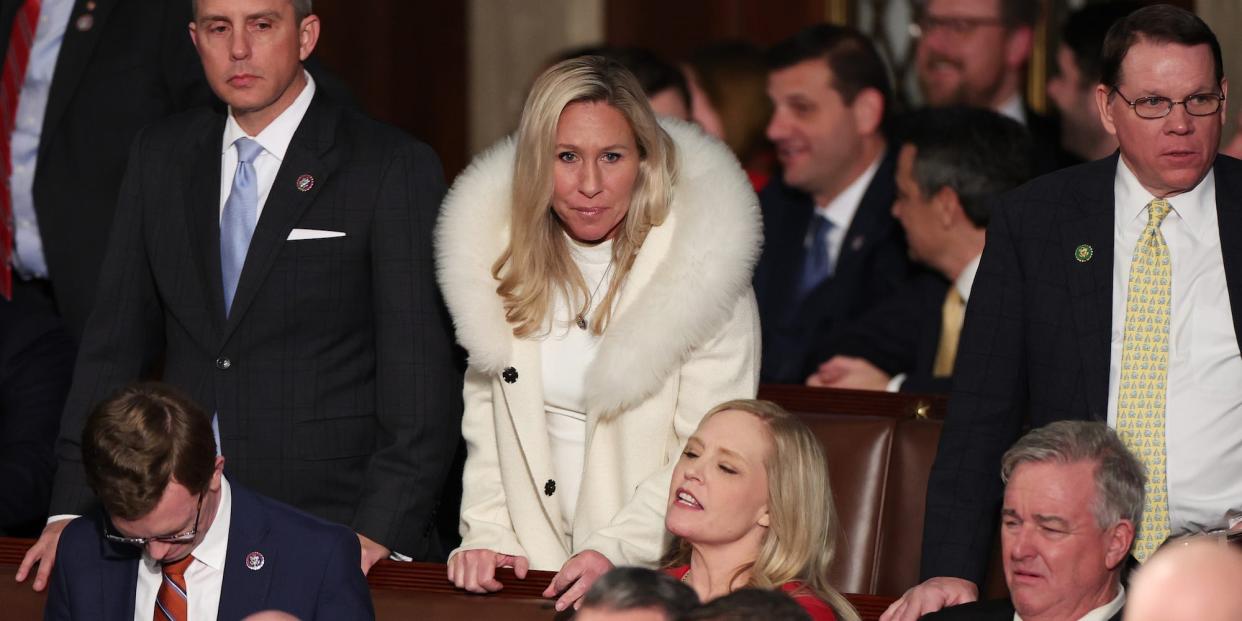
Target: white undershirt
x,y
841,209
566,353
203,579
1203,436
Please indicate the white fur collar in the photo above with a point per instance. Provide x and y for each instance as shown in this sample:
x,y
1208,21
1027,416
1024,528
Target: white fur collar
x,y
685,282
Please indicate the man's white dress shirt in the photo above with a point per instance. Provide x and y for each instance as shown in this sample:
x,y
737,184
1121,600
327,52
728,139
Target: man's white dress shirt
x,y
1203,423
205,576
841,209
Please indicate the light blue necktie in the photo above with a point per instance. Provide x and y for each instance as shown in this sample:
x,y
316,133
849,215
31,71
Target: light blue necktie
x,y
239,217
816,265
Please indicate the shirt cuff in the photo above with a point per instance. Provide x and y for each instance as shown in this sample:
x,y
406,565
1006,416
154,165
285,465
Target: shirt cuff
x,y
894,385
61,517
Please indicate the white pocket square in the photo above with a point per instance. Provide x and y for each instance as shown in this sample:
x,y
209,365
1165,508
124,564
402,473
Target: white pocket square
x,y
297,234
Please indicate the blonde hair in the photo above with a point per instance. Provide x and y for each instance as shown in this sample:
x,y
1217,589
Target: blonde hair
x,y
537,264
801,539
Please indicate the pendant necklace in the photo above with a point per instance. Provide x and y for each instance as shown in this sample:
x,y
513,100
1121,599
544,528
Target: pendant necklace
x,y
581,321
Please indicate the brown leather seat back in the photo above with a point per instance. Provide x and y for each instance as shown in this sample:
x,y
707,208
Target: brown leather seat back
x,y
859,451
880,451
901,529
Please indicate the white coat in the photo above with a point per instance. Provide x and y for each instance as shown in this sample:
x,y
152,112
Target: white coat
x,y
684,336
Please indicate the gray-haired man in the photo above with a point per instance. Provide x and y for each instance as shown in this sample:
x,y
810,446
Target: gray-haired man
x,y
1073,495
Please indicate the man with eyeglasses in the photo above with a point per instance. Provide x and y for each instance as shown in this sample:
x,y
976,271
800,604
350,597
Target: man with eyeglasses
x,y
974,53
176,541
1111,291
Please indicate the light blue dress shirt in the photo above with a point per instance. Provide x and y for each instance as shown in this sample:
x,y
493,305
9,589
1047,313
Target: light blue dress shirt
x,y
28,259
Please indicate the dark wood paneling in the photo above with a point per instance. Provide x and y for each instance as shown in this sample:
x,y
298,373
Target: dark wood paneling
x,y
406,63
674,29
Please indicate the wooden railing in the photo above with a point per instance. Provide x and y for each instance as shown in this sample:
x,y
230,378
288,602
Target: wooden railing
x,y
399,590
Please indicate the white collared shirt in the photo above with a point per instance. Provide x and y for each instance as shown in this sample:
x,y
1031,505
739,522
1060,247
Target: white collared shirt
x,y
841,209
964,282
1103,613
1204,402
274,139
1014,109
203,579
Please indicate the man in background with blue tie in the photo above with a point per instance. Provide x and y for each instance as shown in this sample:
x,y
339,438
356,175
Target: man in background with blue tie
x,y
1110,291
831,246
276,263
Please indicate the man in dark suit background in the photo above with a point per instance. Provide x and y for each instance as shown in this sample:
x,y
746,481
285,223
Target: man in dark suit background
x,y
952,165
279,261
831,248
975,53
1073,496
98,71
177,541
36,365
1111,291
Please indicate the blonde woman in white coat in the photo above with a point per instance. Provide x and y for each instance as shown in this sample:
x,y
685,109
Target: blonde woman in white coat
x,y
597,267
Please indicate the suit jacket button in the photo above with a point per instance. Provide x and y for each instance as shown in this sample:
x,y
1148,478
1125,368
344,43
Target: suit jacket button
x,y
549,488
510,375
223,363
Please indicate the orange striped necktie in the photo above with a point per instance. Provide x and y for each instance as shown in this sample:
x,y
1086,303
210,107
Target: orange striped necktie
x,y
172,603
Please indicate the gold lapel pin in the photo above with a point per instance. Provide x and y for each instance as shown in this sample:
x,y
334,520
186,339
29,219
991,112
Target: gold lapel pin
x,y
1084,252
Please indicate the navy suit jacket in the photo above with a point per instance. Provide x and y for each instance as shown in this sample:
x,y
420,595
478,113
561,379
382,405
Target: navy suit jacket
x,y
310,570
1036,345
902,334
798,334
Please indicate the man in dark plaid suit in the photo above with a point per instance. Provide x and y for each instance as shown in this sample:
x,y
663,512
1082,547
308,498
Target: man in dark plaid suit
x,y
276,264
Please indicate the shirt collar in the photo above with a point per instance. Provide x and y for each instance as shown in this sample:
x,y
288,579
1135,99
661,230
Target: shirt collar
x,y
840,210
215,544
1103,613
274,138
1132,198
1013,109
966,279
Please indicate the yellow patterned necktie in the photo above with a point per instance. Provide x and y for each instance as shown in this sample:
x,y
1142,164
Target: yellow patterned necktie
x,y
1144,374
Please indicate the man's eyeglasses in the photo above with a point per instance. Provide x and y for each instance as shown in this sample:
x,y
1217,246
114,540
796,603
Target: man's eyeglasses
x,y
185,537
953,26
1199,104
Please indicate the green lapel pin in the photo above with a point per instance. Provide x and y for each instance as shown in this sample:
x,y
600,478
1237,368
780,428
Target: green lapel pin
x,y
1084,253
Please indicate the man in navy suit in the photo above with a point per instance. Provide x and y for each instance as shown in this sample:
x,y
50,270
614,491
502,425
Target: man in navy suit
x,y
952,165
1085,272
831,248
175,540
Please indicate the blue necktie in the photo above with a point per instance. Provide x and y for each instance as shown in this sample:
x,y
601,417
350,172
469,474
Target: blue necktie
x,y
239,217
816,265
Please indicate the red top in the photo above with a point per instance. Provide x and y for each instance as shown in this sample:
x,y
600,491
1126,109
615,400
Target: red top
x,y
811,603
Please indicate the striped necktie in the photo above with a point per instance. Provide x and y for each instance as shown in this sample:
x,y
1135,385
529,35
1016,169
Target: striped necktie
x,y
1145,372
172,602
21,38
